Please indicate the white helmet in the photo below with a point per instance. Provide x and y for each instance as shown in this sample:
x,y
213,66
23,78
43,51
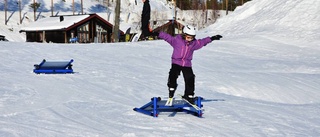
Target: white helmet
x,y
190,30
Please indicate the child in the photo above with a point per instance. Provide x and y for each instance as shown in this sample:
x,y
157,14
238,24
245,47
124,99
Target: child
x,y
183,47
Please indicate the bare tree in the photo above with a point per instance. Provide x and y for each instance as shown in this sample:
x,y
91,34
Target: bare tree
x,y
116,22
82,7
5,11
35,6
212,11
106,3
19,4
51,7
227,7
72,7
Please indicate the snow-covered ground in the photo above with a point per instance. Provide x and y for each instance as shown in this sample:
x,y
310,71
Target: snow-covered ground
x,y
260,80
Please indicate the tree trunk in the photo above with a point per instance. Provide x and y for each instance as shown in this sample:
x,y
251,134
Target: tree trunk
x,y
82,7
20,11
227,7
5,11
116,22
73,6
34,10
51,7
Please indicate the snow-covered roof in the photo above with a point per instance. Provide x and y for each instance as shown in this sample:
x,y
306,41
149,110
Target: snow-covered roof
x,y
54,23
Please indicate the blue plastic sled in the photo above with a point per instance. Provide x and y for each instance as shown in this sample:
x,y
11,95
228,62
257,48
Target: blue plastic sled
x,y
53,67
156,105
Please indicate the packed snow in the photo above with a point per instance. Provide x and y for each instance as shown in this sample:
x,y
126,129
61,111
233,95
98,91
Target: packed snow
x,y
261,79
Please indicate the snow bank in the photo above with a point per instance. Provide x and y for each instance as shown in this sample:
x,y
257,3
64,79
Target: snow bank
x,y
289,18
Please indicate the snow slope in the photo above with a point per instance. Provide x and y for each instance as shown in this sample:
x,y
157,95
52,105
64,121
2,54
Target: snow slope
x,y
289,18
256,83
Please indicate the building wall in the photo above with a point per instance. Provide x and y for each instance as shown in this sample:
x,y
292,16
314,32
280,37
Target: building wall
x,y
55,36
49,36
170,28
86,31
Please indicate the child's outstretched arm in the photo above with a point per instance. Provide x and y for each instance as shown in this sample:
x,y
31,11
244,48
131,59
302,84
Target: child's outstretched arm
x,y
205,41
165,36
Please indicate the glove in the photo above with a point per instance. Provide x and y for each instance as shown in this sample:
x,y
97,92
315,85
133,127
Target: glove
x,y
216,37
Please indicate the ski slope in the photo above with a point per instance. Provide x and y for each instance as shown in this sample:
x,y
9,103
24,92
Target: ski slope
x,y
257,82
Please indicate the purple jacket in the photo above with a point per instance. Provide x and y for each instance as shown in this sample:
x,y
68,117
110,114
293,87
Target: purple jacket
x,y
182,49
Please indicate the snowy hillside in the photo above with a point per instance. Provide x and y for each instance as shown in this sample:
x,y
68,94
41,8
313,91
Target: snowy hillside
x,y
261,80
279,21
289,18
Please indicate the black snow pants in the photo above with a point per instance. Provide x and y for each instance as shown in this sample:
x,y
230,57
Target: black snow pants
x,y
189,78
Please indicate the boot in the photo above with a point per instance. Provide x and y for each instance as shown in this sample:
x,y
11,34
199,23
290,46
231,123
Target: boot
x,y
189,98
171,92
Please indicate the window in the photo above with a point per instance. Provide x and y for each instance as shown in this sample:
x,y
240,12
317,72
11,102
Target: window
x,y
83,32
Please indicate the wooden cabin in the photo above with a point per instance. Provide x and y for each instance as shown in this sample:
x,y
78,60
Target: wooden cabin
x,y
62,29
172,27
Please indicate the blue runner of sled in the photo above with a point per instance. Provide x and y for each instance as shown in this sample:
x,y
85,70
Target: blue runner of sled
x,y
156,105
52,67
